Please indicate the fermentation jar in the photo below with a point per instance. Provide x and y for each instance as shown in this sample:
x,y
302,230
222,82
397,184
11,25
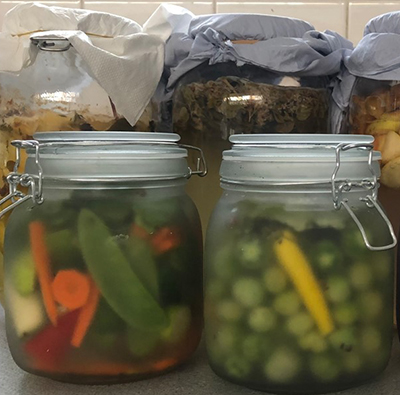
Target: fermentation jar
x,y
103,257
242,73
299,265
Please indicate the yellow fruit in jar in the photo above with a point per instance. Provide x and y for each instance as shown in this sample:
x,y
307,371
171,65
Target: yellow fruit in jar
x,y
390,148
390,175
383,126
390,116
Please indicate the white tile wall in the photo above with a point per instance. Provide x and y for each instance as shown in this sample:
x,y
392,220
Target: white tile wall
x,y
360,12
140,11
344,16
313,12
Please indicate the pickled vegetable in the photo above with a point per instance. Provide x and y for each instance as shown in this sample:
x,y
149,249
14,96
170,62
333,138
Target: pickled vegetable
x,y
307,310
378,114
121,306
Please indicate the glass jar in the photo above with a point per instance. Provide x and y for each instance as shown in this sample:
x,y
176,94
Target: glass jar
x,y
103,258
375,110
295,301
212,102
54,93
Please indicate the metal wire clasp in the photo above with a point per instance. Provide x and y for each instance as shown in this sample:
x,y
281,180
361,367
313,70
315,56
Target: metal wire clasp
x,y
51,44
32,182
201,164
338,187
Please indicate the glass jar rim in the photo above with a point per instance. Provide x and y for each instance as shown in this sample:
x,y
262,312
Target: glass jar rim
x,y
300,159
106,156
297,148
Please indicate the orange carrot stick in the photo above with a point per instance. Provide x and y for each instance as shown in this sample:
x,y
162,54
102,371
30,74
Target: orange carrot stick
x,y
165,239
43,269
71,288
86,315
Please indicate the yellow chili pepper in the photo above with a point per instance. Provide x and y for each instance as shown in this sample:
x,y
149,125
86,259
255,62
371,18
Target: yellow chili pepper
x,y
296,265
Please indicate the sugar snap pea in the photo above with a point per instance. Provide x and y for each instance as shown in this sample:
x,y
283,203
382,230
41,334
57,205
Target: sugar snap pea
x,y
112,272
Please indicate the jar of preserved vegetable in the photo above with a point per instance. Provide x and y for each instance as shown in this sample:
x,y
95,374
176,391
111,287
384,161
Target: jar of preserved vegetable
x,y
374,109
367,95
299,265
247,74
103,257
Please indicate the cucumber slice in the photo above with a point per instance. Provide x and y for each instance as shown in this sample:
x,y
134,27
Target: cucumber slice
x,y
275,280
248,291
283,366
287,303
262,319
23,273
229,310
299,324
324,368
119,285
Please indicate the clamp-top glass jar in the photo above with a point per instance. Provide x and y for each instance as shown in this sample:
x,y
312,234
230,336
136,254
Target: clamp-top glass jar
x,y
299,265
103,257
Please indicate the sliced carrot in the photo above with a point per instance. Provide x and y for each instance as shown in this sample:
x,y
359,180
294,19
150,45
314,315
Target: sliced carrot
x,y
140,232
165,240
86,315
43,268
71,288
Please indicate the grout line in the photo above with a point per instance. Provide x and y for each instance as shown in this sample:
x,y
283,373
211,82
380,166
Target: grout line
x,y
81,3
347,17
214,6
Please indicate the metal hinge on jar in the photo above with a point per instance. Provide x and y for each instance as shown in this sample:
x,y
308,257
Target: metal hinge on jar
x,y
34,183
340,187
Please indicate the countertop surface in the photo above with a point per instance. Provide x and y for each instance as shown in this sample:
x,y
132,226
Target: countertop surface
x,y
194,378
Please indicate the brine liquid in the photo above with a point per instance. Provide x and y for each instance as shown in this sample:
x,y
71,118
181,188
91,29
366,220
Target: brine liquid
x,y
147,236
316,318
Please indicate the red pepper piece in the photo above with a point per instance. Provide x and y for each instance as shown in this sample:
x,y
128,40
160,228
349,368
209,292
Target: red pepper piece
x,y
165,240
49,346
